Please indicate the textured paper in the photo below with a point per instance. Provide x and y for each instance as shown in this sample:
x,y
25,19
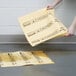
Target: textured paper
x,y
22,58
41,26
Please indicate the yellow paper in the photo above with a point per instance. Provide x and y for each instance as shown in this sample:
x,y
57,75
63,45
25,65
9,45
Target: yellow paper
x,y
41,57
41,26
21,58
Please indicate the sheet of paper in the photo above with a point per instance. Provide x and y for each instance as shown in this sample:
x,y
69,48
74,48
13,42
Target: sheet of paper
x,y
41,26
21,58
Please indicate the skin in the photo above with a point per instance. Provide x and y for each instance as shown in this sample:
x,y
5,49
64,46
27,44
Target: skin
x,y
54,4
72,28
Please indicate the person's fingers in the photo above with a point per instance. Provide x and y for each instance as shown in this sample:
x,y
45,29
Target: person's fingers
x,y
49,7
68,34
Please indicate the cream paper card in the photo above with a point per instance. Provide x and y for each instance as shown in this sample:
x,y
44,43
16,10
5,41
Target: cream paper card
x,y
21,58
41,26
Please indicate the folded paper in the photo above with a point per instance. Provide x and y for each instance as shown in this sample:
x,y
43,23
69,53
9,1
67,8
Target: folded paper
x,y
21,58
41,26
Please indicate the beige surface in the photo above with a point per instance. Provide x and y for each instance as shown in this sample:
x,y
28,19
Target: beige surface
x,y
41,26
22,58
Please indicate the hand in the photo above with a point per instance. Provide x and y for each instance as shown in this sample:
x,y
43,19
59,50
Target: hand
x,y
70,32
50,7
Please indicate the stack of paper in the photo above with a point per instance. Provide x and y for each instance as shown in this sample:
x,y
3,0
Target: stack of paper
x,y
41,26
22,58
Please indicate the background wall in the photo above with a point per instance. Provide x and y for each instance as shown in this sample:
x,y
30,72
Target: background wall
x,y
10,10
